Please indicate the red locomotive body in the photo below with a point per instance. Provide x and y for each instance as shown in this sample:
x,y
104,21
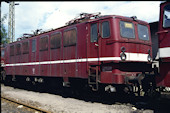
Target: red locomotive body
x,y
164,45
102,50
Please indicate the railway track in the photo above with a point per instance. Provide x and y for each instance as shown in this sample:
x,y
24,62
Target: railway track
x,y
25,105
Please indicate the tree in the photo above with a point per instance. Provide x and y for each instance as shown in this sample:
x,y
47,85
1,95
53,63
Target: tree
x,y
4,38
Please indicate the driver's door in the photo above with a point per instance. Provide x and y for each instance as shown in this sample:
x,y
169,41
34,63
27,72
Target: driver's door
x,y
92,45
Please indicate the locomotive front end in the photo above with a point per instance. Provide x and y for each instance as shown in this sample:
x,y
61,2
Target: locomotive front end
x,y
125,55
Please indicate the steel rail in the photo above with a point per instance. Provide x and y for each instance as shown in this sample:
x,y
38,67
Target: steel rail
x,y
25,105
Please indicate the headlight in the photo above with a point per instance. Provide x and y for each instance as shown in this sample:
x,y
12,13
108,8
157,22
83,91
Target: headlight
x,y
149,56
122,54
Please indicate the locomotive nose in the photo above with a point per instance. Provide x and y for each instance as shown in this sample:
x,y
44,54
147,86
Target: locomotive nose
x,y
135,55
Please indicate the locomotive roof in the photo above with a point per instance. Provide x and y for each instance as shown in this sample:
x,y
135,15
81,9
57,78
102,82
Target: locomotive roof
x,y
118,16
88,21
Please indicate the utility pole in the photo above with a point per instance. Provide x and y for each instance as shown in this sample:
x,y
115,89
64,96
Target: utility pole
x,y
11,21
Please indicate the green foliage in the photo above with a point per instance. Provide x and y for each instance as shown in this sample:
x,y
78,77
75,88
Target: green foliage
x,y
4,38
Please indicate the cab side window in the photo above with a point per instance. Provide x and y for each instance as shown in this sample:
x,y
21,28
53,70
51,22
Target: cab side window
x,y
105,29
166,16
94,32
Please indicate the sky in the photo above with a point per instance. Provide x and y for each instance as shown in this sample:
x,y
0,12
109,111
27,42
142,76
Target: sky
x,y
30,16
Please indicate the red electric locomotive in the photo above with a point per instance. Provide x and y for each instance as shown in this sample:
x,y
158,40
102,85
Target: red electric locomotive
x,y
163,79
109,53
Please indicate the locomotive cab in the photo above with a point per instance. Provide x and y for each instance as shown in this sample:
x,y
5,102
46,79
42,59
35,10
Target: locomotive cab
x,y
120,49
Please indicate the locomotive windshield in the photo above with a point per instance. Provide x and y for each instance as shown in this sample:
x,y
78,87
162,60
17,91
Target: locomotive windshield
x,y
143,33
166,16
127,29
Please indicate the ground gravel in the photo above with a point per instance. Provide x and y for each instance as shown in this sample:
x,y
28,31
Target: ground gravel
x,y
59,104
9,107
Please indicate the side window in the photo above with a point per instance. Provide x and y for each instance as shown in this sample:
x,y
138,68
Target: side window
x,y
127,29
34,45
166,16
105,29
12,50
44,43
70,37
94,32
18,49
55,40
25,47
